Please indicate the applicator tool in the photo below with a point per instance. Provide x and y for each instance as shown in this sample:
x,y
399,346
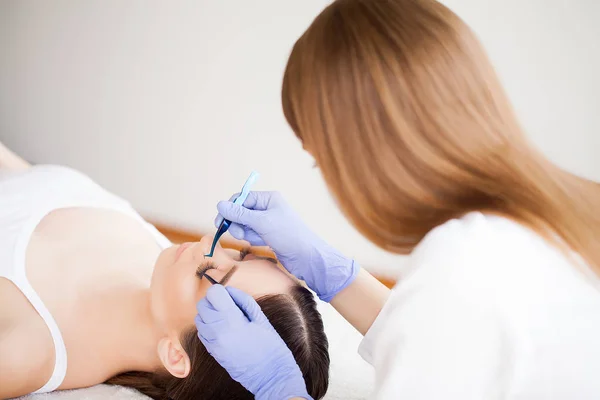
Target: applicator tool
x,y
225,224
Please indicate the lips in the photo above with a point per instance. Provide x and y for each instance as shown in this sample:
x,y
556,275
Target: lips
x,y
180,250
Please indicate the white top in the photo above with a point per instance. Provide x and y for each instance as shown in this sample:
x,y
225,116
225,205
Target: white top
x,y
488,310
26,197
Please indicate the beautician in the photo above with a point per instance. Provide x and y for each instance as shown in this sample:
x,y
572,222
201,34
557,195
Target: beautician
x,y
400,108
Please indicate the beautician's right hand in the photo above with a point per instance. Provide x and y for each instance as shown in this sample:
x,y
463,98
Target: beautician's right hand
x,y
267,219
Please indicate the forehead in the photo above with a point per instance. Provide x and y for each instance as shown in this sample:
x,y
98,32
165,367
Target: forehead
x,y
257,276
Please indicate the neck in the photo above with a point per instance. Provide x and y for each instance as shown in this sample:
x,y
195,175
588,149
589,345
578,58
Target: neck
x,y
134,343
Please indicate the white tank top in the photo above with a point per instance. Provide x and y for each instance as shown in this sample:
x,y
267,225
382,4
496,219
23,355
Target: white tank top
x,y
26,197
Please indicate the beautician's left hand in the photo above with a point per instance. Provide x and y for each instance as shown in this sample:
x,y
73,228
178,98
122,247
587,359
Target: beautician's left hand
x,y
239,336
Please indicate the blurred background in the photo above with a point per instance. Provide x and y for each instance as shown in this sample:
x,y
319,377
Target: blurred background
x,y
171,104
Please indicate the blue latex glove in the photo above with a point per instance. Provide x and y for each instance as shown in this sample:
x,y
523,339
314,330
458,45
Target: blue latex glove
x,y
239,336
267,219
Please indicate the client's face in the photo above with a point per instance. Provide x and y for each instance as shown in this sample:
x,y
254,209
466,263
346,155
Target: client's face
x,y
176,286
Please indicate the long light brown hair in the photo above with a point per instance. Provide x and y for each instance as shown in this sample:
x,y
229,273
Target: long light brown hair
x,y
406,118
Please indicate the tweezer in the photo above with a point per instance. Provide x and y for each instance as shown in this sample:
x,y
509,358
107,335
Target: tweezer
x,y
210,279
225,224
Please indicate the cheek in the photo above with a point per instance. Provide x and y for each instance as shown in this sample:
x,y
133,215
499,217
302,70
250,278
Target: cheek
x,y
174,296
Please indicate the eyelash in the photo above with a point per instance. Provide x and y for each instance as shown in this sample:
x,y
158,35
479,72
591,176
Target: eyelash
x,y
208,265
202,268
201,272
243,253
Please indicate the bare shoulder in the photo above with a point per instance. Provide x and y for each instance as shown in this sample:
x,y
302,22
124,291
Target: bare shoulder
x,y
26,345
10,160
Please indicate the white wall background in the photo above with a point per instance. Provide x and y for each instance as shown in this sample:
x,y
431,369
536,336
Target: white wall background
x,y
172,104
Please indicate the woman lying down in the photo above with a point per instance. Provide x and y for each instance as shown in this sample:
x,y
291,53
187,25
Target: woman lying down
x,y
91,293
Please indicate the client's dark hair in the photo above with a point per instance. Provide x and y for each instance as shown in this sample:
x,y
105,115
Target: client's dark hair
x,y
295,318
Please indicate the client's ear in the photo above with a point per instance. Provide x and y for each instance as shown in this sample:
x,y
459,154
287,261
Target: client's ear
x,y
173,357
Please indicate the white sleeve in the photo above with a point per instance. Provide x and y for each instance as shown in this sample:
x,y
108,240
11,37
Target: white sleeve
x,y
442,347
440,335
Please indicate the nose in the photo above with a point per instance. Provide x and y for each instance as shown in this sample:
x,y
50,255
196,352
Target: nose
x,y
206,242
221,260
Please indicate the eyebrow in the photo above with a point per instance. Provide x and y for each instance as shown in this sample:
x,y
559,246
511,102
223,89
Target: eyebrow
x,y
248,250
228,275
233,270
270,259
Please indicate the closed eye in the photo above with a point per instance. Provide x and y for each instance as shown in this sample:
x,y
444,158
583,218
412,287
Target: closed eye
x,y
247,251
201,273
201,270
244,252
